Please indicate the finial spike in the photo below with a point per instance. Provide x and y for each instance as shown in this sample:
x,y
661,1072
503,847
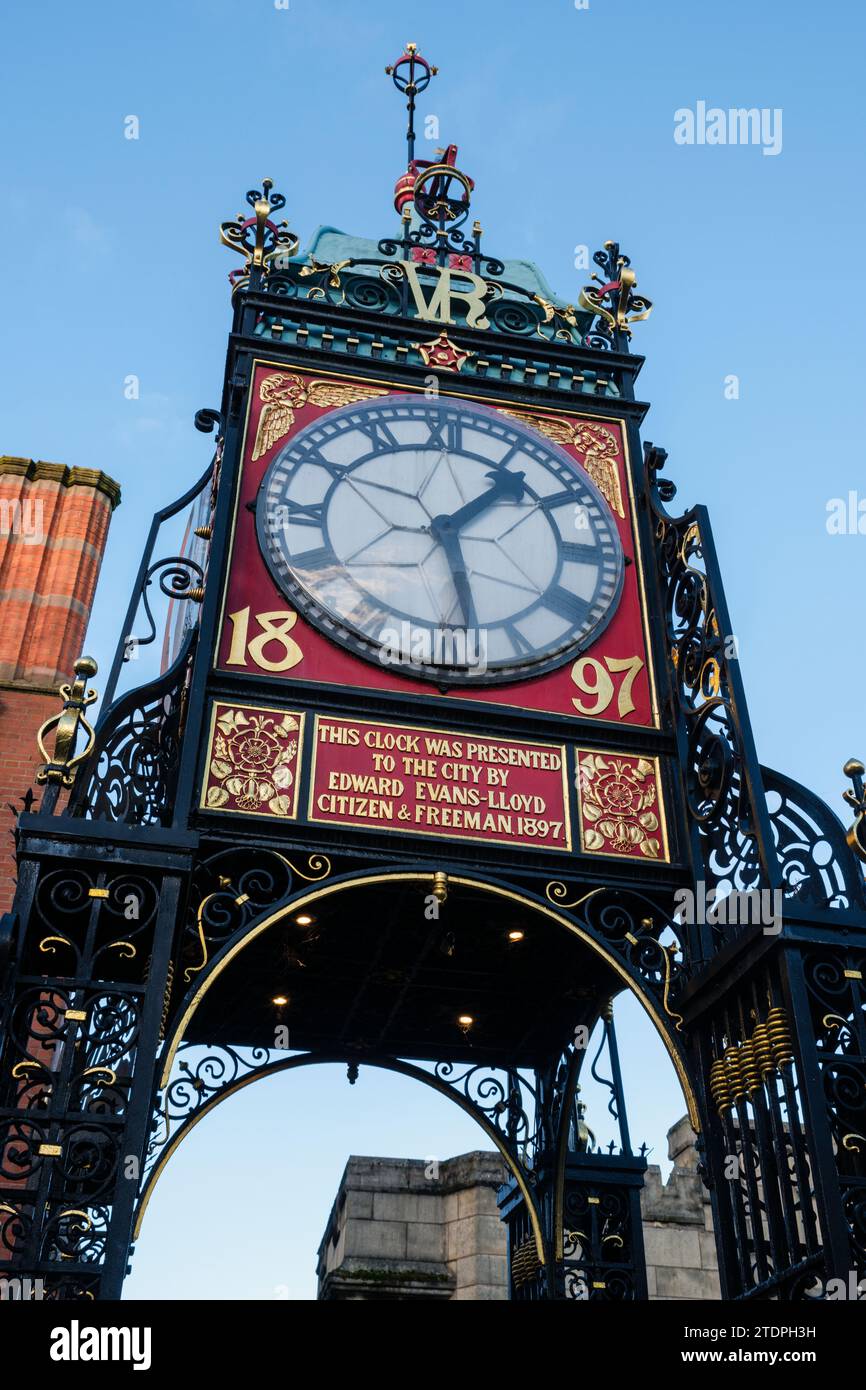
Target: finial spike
x,y
411,75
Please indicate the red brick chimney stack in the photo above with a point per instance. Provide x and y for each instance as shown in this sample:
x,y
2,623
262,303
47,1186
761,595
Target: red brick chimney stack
x,y
53,528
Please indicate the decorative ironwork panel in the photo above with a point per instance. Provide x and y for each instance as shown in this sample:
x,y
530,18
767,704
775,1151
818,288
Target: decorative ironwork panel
x,y
818,867
763,1165
723,791
131,776
77,1050
837,1004
603,1253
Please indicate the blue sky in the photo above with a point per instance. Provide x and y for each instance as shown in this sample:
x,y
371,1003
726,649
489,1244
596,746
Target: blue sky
x,y
565,119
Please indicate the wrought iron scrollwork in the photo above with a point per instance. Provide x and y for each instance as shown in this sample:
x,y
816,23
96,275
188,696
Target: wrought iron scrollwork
x,y
834,980
200,1074
131,775
259,239
231,888
818,867
506,1098
179,577
836,997
613,300
188,574
757,829
641,933
380,287
373,296
597,1250
722,780
505,1104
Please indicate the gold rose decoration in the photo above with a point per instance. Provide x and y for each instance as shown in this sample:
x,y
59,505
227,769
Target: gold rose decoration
x,y
620,805
253,761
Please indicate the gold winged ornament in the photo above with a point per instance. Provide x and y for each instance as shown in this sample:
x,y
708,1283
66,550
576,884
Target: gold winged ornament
x,y
596,445
284,392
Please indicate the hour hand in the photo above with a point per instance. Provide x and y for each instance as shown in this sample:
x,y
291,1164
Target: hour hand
x,y
505,485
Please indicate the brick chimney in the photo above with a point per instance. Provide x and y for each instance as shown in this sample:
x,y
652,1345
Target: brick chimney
x,y
53,528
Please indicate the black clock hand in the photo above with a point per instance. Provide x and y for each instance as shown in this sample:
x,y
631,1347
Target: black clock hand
x,y
505,484
450,543
444,529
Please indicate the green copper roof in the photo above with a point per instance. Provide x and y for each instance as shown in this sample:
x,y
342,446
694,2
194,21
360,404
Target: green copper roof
x,y
329,245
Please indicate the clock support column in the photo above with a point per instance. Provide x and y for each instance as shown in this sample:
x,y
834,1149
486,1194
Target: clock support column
x,y
79,1045
774,1012
588,1200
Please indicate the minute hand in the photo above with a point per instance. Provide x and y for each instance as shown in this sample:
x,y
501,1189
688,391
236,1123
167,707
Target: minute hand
x,y
505,484
450,542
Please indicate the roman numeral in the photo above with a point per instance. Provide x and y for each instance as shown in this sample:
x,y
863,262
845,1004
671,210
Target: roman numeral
x,y
506,458
437,435
314,559
575,550
378,433
300,513
365,616
517,640
336,470
567,605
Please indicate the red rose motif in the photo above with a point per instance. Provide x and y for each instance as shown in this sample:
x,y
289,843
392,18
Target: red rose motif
x,y
618,796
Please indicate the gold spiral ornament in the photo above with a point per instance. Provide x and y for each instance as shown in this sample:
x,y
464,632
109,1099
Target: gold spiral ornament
x,y
525,1263
751,1075
719,1087
319,866
780,1037
763,1051
734,1069
557,892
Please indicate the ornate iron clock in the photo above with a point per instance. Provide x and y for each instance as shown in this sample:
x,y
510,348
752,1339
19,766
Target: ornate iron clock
x,y
399,525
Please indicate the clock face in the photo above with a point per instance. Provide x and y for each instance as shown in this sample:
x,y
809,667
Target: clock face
x,y
444,539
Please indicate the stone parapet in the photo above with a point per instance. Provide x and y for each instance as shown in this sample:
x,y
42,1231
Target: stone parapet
x,y
415,1229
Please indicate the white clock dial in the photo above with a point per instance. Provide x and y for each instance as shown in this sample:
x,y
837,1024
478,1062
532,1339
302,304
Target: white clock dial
x,y
481,545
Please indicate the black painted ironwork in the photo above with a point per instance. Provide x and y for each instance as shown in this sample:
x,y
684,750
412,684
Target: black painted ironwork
x,y
144,931
819,871
131,776
127,644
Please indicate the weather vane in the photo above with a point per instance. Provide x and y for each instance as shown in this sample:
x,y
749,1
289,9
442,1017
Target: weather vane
x,y
411,74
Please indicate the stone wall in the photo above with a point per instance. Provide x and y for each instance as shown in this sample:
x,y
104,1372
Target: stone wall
x,y
677,1225
405,1228
410,1229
